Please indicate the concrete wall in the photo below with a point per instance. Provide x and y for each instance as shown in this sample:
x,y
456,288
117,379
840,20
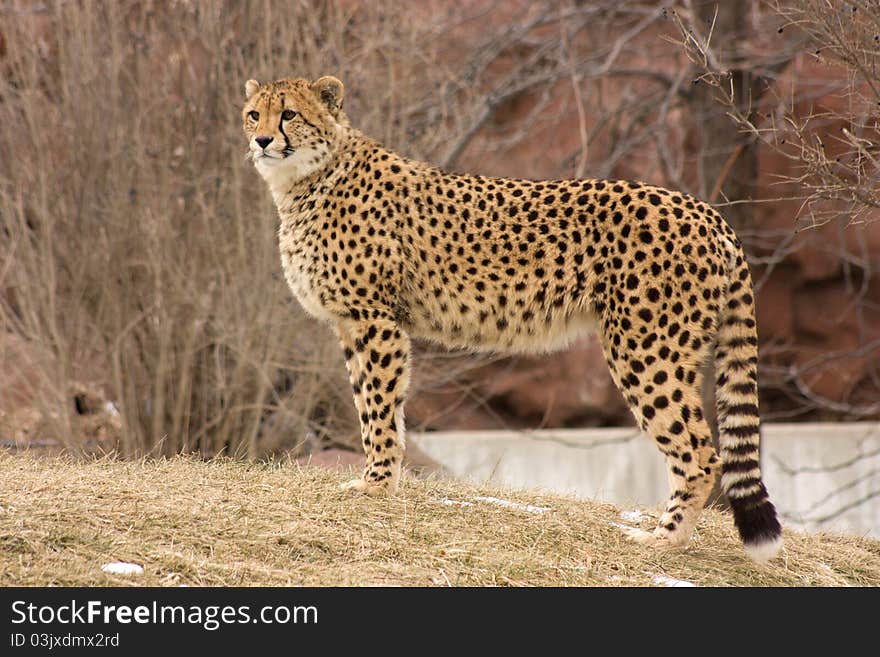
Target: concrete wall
x,y
820,476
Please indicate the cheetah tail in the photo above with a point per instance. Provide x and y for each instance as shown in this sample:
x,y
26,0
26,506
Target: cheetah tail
x,y
736,394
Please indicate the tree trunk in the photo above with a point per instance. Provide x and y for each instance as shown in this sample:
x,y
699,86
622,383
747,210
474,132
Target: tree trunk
x,y
727,158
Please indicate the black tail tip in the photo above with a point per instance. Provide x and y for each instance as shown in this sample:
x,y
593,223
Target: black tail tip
x,y
759,528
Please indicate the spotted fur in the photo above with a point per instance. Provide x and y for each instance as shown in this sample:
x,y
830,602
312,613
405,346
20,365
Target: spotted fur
x,y
384,248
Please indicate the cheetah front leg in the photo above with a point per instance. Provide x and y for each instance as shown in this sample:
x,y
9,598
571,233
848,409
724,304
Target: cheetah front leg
x,y
356,378
377,356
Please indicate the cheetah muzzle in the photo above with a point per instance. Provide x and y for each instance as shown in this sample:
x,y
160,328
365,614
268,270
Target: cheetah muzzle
x,y
383,248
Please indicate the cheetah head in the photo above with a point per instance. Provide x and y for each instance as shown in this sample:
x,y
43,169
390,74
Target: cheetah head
x,y
291,126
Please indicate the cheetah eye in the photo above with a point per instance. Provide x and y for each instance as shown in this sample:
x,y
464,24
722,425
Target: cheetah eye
x,y
288,114
254,115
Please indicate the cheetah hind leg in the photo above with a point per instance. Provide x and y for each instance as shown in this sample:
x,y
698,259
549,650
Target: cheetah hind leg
x,y
666,402
692,467
361,485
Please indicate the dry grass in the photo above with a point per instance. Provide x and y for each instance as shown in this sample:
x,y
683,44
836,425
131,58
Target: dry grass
x,y
226,522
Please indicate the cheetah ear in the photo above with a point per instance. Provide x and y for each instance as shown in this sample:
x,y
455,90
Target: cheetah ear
x,y
250,88
330,91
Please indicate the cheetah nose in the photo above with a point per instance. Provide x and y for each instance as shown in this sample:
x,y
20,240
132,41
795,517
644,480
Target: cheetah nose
x,y
264,141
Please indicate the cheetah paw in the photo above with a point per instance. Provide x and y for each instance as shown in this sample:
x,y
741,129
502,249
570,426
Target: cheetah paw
x,y
641,536
659,538
361,486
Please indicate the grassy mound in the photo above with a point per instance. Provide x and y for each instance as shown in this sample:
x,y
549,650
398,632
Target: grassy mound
x,y
224,522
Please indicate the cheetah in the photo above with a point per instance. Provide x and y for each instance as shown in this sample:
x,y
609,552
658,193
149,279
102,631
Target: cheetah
x,y
384,249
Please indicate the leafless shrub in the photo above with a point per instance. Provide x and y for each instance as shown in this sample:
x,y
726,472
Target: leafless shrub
x,y
138,248
812,106
838,173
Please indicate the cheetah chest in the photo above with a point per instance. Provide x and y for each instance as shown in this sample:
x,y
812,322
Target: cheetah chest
x,y
303,268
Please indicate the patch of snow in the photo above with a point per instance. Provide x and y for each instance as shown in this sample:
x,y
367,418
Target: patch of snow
x,y
632,516
663,580
122,568
449,502
514,505
619,525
